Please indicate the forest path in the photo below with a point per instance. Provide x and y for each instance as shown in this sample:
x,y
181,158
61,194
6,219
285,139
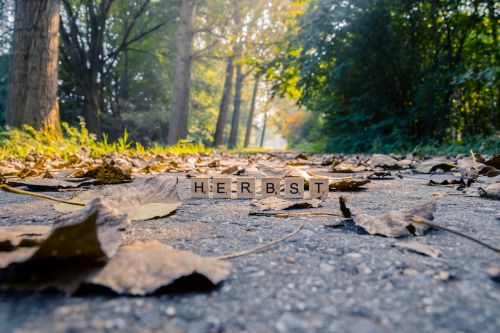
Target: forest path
x,y
331,277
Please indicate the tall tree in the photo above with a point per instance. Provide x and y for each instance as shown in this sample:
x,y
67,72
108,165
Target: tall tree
x,y
224,105
178,125
91,51
248,132
32,97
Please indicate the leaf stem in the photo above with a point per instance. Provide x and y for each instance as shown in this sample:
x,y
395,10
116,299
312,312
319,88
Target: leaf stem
x,y
420,220
7,188
260,247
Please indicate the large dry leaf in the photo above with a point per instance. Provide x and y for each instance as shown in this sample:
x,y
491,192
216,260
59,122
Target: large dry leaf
x,y
274,203
420,248
393,223
51,184
108,174
144,199
77,245
384,161
26,235
493,160
435,164
491,191
346,167
144,268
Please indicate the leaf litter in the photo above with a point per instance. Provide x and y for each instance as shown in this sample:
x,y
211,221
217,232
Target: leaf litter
x,y
143,199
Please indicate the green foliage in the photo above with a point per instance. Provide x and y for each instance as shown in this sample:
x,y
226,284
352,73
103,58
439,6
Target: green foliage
x,y
391,74
78,140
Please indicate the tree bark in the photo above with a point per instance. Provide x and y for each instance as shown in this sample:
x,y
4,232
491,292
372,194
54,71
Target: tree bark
x,y
178,125
235,121
224,105
32,95
252,111
263,131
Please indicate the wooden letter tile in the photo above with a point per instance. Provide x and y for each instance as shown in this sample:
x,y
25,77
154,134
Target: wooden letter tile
x,y
318,188
199,188
270,186
245,187
221,188
294,188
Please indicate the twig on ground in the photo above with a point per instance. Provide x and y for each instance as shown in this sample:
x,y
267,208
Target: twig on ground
x,y
283,214
260,247
7,188
420,220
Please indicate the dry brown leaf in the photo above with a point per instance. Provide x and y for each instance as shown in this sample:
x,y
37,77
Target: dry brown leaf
x,y
347,184
108,174
435,164
384,161
233,170
345,167
144,199
25,173
493,160
491,191
274,203
144,268
420,248
27,235
52,184
393,223
78,244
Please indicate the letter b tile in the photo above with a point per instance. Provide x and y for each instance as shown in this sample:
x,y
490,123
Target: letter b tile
x,y
270,187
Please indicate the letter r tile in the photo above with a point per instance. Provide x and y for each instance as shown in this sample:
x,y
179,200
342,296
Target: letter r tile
x,y
245,187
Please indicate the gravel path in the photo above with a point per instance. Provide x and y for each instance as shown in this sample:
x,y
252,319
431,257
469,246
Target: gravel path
x,y
328,278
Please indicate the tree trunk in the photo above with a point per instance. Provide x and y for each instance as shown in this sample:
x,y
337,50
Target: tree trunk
x,y
252,111
263,131
235,121
92,111
32,95
178,124
224,105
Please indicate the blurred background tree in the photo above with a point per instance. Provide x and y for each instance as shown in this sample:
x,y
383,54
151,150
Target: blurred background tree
x,y
360,75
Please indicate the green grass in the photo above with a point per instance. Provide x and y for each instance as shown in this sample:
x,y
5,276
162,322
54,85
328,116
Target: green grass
x,y
74,140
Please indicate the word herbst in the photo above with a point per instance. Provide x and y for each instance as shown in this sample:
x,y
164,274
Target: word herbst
x,y
246,187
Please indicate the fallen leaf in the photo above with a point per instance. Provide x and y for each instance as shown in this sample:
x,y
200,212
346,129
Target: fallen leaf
x,y
348,168
347,184
78,244
493,160
144,199
27,235
51,184
420,248
144,268
274,203
384,161
491,191
380,175
434,164
25,173
108,174
393,223
233,170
